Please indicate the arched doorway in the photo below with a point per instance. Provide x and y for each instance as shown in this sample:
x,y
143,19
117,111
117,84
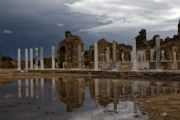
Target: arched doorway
x,y
62,56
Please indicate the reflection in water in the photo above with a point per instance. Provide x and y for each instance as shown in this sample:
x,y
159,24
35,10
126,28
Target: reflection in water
x,y
32,87
71,92
19,89
42,88
37,87
53,89
116,96
27,87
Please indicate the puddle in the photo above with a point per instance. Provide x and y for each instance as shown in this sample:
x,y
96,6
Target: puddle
x,y
78,98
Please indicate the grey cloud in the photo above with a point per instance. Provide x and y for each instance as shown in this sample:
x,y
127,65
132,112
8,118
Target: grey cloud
x,y
6,31
130,13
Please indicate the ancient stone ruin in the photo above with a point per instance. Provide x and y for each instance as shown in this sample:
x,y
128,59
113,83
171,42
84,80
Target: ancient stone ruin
x,y
67,55
104,55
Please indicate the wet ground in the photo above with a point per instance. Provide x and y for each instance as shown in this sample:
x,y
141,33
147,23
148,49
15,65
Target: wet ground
x,y
85,98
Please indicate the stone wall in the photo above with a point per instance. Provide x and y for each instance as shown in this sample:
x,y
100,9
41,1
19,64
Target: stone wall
x,y
123,53
169,48
67,55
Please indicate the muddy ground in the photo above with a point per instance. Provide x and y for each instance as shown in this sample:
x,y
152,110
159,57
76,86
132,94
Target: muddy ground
x,y
163,107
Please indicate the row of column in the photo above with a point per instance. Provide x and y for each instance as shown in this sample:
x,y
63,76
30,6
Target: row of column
x,y
158,54
113,55
32,65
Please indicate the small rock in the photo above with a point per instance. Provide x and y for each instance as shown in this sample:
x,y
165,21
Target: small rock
x,y
163,115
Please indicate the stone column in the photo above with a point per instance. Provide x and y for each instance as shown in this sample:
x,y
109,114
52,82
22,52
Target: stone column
x,y
53,57
174,62
19,59
19,89
95,56
32,88
27,87
107,58
53,89
41,58
37,58
131,53
163,55
79,56
113,54
158,53
134,66
174,56
26,60
31,58
122,56
152,55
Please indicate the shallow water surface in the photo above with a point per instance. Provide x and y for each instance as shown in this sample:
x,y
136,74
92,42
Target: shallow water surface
x,y
78,98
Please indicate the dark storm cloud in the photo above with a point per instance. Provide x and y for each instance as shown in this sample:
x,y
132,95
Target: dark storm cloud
x,y
38,23
35,23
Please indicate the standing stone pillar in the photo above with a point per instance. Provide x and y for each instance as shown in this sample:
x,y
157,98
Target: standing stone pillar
x,y
114,54
134,66
174,62
37,59
95,56
26,60
131,53
31,58
163,55
19,59
53,57
79,56
41,58
122,56
158,53
107,58
152,55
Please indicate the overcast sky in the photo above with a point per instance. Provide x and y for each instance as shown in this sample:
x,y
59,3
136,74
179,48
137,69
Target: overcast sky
x,y
36,23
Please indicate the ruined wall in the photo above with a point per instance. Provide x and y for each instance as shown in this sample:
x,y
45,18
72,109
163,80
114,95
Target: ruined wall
x,y
167,46
105,54
7,62
67,55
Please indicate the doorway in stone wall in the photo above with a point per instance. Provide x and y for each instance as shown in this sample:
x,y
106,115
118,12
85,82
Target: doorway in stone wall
x,y
62,56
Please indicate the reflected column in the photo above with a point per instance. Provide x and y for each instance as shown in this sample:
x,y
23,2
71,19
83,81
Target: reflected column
x,y
80,90
37,88
32,87
115,96
19,89
53,89
96,91
27,87
42,88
